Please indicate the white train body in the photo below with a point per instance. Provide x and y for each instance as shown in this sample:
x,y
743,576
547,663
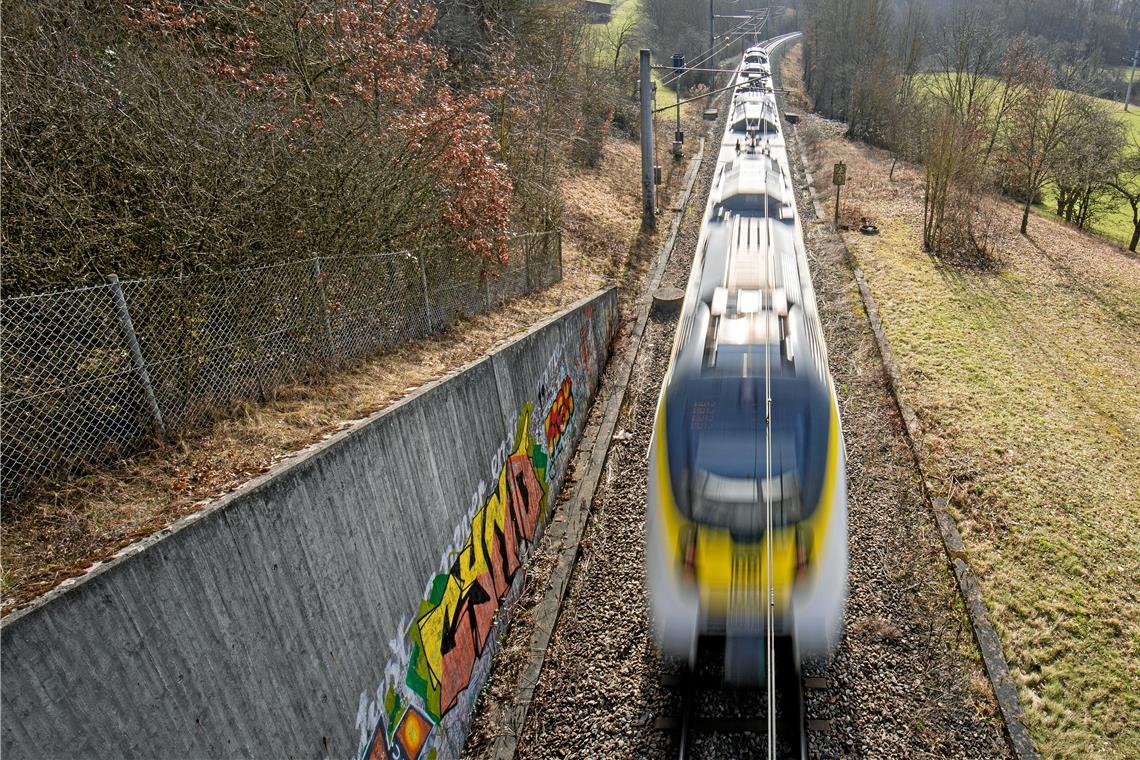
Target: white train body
x,y
748,330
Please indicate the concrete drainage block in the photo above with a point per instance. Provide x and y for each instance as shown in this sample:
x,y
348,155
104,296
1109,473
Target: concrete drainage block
x,y
667,302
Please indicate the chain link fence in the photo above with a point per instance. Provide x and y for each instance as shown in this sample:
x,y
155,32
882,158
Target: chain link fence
x,y
92,374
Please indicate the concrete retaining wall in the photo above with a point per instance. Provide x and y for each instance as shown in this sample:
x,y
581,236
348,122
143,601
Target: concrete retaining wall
x,y
344,605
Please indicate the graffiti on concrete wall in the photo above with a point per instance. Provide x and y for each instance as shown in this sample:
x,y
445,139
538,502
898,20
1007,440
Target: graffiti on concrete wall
x,y
456,617
558,418
442,655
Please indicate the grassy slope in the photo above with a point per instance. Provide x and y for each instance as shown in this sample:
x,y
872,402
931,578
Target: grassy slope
x,y
1116,224
1025,381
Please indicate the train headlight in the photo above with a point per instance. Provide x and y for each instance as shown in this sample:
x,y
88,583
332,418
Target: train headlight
x,y
687,549
803,551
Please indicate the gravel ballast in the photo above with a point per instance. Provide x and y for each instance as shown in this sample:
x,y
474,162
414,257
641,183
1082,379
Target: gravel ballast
x,y
905,682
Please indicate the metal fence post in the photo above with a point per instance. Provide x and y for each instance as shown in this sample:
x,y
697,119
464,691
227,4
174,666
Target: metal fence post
x,y
318,277
558,239
526,259
486,291
246,339
423,281
136,353
546,263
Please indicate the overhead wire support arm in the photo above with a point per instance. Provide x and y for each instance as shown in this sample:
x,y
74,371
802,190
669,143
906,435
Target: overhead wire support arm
x,y
702,96
693,68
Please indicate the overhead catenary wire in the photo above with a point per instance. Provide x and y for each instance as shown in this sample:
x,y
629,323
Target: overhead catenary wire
x,y
702,96
732,86
708,53
691,68
705,54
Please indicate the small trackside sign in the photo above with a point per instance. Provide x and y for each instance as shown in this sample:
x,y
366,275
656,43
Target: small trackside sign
x,y
839,174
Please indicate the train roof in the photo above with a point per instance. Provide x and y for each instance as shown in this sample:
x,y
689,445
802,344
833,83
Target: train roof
x,y
752,174
755,115
753,306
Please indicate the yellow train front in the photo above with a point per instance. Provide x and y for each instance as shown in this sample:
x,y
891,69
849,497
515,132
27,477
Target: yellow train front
x,y
748,332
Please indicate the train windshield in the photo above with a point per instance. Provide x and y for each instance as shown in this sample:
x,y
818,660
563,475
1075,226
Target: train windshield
x,y
719,451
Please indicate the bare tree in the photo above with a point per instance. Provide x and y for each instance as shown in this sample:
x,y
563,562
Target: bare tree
x,y
902,124
619,38
1087,160
1040,120
1127,183
955,223
965,61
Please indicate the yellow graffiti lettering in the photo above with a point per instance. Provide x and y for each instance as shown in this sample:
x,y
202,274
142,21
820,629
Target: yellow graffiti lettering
x,y
470,563
433,624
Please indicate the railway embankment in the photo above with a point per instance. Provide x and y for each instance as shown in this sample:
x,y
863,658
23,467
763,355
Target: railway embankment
x,y
1021,376
345,604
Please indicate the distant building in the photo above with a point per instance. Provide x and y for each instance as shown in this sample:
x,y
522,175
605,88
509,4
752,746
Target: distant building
x,y
598,12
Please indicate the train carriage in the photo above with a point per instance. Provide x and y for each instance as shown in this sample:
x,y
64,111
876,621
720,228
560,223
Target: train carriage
x,y
747,508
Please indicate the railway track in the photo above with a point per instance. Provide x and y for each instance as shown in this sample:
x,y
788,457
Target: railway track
x,y
891,691
708,707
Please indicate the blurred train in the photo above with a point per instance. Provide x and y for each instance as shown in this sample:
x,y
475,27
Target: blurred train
x,y
748,331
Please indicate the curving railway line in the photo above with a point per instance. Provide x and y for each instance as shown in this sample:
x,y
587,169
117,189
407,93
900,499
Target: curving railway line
x,y
901,682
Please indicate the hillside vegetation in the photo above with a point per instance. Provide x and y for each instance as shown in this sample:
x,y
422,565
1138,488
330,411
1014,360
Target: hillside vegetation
x,y
985,97
1024,379
1113,216
161,138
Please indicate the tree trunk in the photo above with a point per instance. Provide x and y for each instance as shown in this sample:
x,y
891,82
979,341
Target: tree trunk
x,y
891,176
1085,208
1025,214
1135,236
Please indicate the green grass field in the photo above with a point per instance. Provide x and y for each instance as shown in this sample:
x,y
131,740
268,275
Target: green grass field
x,y
625,11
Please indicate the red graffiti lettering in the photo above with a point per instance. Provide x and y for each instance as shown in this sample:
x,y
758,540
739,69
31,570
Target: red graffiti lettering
x,y
559,417
526,495
464,641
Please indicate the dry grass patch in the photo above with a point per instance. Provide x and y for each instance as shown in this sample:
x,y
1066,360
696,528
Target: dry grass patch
x,y
61,531
1026,380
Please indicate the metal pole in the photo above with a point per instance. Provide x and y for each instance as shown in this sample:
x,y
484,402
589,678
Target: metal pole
x,y
251,342
545,258
136,353
677,84
648,189
423,281
837,206
318,277
526,263
712,35
558,232
1131,76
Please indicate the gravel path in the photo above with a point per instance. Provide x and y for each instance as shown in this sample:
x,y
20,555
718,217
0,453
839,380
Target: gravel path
x,y
906,681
